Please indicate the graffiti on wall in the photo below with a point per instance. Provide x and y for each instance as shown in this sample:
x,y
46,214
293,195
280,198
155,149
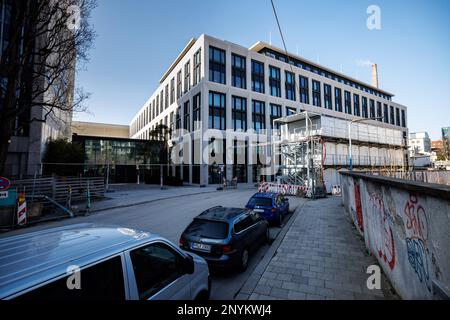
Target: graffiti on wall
x,y
380,223
416,226
358,208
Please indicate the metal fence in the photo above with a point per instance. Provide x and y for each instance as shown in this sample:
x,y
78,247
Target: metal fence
x,y
438,177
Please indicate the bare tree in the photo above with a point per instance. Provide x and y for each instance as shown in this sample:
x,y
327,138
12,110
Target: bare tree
x,y
48,41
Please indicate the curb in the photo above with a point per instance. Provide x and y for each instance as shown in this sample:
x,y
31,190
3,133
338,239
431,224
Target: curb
x,y
250,284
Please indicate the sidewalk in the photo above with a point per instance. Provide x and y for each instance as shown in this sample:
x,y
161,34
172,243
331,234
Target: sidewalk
x,y
320,257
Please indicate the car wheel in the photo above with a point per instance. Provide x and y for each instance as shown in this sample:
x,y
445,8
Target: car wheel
x,y
243,262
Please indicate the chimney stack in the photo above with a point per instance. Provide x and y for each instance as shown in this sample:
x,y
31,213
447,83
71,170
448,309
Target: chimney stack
x,y
375,75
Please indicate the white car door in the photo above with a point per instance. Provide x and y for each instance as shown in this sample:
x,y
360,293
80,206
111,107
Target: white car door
x,y
156,272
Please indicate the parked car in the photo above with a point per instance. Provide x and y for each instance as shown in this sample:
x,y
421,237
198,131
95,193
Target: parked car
x,y
225,236
272,206
88,262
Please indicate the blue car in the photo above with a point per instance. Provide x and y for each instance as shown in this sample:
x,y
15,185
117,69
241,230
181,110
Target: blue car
x,y
272,206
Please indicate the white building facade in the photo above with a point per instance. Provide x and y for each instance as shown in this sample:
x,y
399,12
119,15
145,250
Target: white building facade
x,y
419,143
218,85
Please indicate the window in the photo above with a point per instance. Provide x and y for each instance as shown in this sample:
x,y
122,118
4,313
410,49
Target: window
x,y
327,96
403,118
365,113
338,99
161,101
379,112
208,229
243,224
103,281
239,115
238,71
178,118
316,93
258,76
275,113
217,65
392,115
372,108
165,264
172,91
356,110
397,116
290,85
258,115
197,66
347,102
275,81
196,111
187,77
166,100
187,121
386,113
179,86
217,119
304,90
171,125
290,111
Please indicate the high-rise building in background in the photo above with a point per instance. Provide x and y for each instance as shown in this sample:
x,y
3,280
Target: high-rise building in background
x,y
419,143
28,143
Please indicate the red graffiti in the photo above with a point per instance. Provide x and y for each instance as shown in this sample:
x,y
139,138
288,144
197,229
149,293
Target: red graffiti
x,y
384,237
359,215
416,219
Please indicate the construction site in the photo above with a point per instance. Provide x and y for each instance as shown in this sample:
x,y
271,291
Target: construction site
x,y
315,147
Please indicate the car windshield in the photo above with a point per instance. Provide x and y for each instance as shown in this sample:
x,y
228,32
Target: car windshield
x,y
262,202
208,229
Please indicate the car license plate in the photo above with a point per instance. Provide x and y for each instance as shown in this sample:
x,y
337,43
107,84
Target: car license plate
x,y
200,247
259,210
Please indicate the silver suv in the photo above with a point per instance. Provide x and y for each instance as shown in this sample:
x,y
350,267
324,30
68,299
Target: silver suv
x,y
88,262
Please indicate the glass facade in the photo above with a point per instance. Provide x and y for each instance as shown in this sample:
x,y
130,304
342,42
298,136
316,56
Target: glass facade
x,y
258,76
196,111
258,115
239,113
238,71
365,112
290,85
316,93
217,65
304,90
348,102
217,111
327,97
356,110
338,99
275,113
275,81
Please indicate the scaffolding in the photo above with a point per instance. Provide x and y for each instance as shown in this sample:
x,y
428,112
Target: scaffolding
x,y
302,158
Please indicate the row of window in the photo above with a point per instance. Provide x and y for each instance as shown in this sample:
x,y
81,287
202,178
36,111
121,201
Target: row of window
x,y
167,95
324,73
354,106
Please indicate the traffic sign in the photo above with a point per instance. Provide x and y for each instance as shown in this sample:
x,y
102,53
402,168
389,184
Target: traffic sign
x,y
4,184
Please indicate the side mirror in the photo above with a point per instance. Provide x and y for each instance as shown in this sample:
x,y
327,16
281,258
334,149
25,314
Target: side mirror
x,y
188,264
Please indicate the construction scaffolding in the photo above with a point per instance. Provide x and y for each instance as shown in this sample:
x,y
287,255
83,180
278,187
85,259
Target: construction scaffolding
x,y
302,158
314,147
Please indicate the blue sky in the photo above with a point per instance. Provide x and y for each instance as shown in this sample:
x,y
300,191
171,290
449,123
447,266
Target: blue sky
x,y
138,39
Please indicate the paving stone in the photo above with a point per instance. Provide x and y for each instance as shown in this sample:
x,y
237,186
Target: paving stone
x,y
321,257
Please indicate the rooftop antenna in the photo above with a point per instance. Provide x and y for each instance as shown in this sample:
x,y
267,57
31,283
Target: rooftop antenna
x,y
270,37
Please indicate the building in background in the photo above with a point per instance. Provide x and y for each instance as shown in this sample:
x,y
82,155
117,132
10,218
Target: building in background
x,y
27,146
446,141
100,129
216,84
419,143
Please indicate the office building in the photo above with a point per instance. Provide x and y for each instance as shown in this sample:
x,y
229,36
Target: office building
x,y
419,143
219,85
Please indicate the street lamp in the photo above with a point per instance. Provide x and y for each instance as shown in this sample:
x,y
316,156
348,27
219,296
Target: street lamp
x,y
350,138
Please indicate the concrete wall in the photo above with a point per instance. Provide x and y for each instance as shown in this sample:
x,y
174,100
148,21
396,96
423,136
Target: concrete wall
x,y
406,226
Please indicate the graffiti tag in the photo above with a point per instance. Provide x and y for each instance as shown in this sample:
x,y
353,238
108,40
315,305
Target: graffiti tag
x,y
359,215
381,225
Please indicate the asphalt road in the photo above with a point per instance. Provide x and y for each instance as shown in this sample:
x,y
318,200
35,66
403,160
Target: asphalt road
x,y
169,218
